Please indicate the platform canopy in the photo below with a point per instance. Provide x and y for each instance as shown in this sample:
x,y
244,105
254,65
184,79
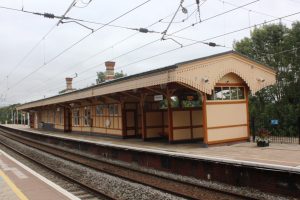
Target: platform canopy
x,y
200,74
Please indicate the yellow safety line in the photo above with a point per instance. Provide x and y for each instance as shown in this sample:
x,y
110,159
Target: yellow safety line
x,y
14,188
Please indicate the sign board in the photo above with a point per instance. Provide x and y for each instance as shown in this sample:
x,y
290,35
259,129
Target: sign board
x,y
274,121
159,97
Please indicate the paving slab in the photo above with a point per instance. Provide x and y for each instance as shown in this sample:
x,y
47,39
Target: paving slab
x,y
17,181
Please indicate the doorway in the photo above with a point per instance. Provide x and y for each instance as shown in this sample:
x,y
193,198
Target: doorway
x,y
131,123
67,120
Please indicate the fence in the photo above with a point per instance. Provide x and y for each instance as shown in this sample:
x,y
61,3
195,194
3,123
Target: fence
x,y
279,132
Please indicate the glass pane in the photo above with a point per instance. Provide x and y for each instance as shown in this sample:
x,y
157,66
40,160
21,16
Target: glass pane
x,y
116,111
111,109
163,104
226,93
174,102
241,92
234,93
99,110
218,93
210,97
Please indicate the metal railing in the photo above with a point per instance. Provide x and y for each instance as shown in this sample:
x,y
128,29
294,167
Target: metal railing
x,y
278,132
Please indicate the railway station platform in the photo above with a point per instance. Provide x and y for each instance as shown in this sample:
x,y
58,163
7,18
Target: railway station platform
x,y
277,156
17,181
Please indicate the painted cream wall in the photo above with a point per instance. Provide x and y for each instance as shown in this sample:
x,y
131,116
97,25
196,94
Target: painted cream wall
x,y
181,119
183,124
197,120
197,117
182,134
221,115
223,134
154,124
198,133
226,114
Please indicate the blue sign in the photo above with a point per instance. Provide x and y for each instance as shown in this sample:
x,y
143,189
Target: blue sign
x,y
274,121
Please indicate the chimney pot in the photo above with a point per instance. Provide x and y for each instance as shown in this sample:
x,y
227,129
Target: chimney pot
x,y
69,83
110,70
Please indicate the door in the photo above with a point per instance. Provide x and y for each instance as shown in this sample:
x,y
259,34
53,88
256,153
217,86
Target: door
x,y
67,120
131,123
32,120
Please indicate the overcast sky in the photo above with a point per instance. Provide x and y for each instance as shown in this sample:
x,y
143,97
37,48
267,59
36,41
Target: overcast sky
x,y
42,73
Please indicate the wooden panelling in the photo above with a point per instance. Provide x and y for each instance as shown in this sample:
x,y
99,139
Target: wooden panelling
x,y
181,118
182,134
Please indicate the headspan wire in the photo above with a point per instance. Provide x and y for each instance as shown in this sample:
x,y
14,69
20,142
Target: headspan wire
x,y
36,45
207,43
76,43
111,46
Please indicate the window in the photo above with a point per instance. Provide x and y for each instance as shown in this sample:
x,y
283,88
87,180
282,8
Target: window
x,y
113,109
163,104
227,93
87,116
241,92
100,110
234,93
217,93
76,117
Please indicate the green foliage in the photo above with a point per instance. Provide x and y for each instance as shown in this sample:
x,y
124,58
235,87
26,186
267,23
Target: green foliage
x,y
101,76
6,114
276,46
120,74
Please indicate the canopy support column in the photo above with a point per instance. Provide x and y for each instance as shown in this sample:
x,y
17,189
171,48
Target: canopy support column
x,y
143,116
204,113
169,94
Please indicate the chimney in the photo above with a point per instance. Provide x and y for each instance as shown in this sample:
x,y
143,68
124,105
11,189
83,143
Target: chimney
x,y
110,70
69,83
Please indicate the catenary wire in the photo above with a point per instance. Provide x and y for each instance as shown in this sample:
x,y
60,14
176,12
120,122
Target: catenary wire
x,y
221,35
37,44
106,49
149,43
76,43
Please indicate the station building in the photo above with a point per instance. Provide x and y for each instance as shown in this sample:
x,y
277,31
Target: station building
x,y
205,100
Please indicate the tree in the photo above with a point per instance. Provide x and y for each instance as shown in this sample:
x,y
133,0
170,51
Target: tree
x,y
6,113
120,74
278,47
101,76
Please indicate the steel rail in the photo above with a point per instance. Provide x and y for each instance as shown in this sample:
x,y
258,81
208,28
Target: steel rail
x,y
64,176
176,187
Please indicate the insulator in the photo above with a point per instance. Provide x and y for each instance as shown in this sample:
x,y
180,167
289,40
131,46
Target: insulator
x,y
49,15
143,30
212,44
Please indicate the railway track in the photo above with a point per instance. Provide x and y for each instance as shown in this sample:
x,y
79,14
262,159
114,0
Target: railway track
x,y
175,187
78,189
